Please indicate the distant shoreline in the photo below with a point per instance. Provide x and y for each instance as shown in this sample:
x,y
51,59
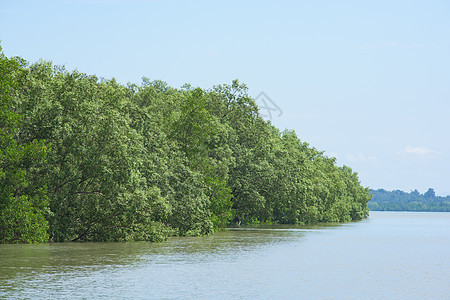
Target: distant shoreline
x,y
414,201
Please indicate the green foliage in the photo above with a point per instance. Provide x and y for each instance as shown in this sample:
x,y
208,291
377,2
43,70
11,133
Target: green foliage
x,y
22,209
144,162
93,173
414,201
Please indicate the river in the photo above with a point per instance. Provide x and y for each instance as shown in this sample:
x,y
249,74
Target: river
x,y
391,255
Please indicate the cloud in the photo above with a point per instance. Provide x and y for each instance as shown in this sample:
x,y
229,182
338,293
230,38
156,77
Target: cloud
x,y
419,150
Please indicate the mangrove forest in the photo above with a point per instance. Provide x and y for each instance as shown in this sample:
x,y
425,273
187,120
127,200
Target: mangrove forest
x,y
84,158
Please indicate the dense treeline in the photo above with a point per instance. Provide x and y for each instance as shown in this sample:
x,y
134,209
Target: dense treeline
x,y
414,201
88,159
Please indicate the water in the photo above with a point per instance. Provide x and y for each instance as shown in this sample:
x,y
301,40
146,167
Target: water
x,y
388,256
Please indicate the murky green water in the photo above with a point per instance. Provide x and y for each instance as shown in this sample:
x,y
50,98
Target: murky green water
x,y
388,256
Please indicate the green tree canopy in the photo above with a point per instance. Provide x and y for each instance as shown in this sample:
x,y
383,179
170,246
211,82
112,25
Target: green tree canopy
x,y
84,158
22,210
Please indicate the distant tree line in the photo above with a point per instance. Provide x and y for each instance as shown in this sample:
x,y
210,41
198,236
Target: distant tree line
x,y
414,201
89,159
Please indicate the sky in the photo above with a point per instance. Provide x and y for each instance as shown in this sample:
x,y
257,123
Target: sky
x,y
368,82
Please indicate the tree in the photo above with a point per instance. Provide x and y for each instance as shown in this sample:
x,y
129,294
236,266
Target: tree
x,y
413,201
22,210
96,189
146,162
430,193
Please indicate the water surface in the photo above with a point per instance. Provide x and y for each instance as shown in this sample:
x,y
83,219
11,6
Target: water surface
x,y
390,256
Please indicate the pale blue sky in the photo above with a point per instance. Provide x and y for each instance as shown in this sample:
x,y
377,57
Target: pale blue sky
x,y
365,81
